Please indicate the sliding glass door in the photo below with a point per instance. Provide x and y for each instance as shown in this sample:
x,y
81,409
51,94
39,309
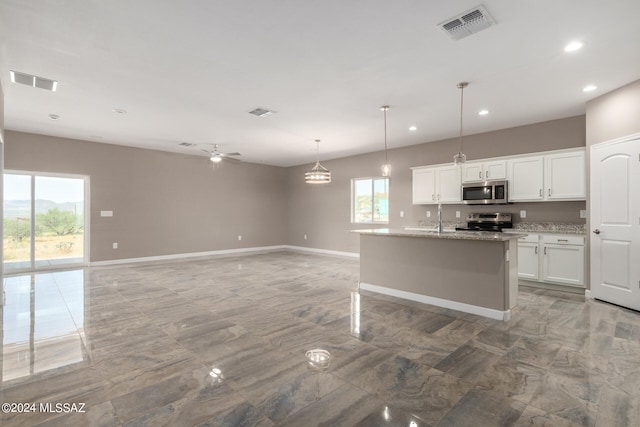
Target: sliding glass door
x,y
44,221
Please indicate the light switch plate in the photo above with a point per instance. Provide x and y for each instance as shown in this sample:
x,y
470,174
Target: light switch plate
x,y
401,214
583,213
457,214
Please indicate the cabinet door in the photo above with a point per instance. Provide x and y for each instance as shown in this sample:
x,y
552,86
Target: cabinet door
x,y
528,261
526,179
424,186
565,176
495,170
563,264
472,172
448,184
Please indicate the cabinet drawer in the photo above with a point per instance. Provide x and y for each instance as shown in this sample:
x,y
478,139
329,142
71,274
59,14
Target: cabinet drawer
x,y
563,240
531,238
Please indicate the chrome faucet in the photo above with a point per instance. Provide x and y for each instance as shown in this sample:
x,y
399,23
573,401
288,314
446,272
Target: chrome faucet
x,y
439,218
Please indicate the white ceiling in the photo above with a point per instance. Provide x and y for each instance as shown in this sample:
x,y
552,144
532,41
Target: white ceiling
x,y
191,70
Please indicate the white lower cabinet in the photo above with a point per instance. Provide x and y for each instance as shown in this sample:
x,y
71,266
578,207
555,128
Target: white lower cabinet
x,y
552,258
528,257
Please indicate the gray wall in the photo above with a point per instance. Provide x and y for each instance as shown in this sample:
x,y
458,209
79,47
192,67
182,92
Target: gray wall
x,y
614,115
163,203
323,213
167,203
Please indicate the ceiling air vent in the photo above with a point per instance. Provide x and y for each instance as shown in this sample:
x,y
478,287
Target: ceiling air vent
x,y
33,81
261,112
467,23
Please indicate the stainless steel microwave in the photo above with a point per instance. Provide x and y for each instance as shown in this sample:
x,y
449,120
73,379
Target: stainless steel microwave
x,y
485,193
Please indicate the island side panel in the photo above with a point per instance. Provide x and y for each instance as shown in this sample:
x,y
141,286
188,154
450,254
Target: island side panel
x,y
467,271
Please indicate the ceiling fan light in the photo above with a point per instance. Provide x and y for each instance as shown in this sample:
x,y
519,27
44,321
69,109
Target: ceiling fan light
x,y
216,158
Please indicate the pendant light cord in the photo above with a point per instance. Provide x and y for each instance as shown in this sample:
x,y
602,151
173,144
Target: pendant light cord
x,y
317,151
461,86
386,160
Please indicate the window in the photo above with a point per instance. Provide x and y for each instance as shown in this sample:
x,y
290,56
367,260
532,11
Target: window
x,y
370,200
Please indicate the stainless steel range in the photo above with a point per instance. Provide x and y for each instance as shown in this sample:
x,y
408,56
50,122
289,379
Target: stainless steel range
x,y
494,222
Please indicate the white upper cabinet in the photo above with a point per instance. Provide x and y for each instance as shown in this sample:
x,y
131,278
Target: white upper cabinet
x,y
526,179
448,184
484,170
545,176
441,184
424,185
564,176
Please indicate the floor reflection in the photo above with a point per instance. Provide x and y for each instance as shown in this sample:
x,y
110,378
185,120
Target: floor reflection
x,y
42,323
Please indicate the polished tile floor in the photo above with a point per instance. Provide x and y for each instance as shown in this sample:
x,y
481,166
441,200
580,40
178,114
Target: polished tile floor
x,y
222,342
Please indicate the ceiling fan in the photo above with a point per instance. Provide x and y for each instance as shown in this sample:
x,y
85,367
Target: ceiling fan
x,y
216,156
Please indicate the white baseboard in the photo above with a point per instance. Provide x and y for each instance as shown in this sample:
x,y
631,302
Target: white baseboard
x,y
439,302
223,252
322,251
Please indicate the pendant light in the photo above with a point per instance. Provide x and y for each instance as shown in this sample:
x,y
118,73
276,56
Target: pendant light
x,y
386,167
460,158
318,174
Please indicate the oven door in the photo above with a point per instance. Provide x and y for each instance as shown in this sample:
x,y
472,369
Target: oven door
x,y
477,193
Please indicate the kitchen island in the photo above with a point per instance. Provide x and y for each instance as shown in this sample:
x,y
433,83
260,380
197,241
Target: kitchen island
x,y
474,272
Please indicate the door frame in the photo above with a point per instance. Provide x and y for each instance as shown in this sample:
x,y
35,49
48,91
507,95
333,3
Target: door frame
x,y
615,141
87,222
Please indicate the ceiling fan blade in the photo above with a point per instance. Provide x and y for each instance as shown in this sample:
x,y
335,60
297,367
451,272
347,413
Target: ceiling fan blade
x,y
230,154
206,151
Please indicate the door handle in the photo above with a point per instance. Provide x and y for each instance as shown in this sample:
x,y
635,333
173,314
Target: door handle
x,y
596,231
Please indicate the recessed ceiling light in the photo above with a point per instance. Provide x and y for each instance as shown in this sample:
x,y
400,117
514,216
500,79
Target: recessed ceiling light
x,y
483,112
413,128
54,116
573,46
589,88
119,111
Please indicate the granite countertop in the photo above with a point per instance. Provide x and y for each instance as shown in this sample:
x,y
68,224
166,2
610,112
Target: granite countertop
x,y
452,235
547,227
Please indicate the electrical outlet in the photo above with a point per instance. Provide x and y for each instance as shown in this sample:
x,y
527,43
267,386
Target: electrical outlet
x,y
457,214
115,245
305,237
523,214
428,214
239,237
401,214
583,213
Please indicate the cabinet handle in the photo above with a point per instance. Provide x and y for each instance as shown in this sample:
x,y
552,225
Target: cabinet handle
x,y
541,192
486,174
480,174
549,193
433,197
438,197
545,250
536,250
563,240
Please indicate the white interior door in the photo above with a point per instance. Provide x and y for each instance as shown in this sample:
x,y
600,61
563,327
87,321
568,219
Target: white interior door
x,y
615,222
